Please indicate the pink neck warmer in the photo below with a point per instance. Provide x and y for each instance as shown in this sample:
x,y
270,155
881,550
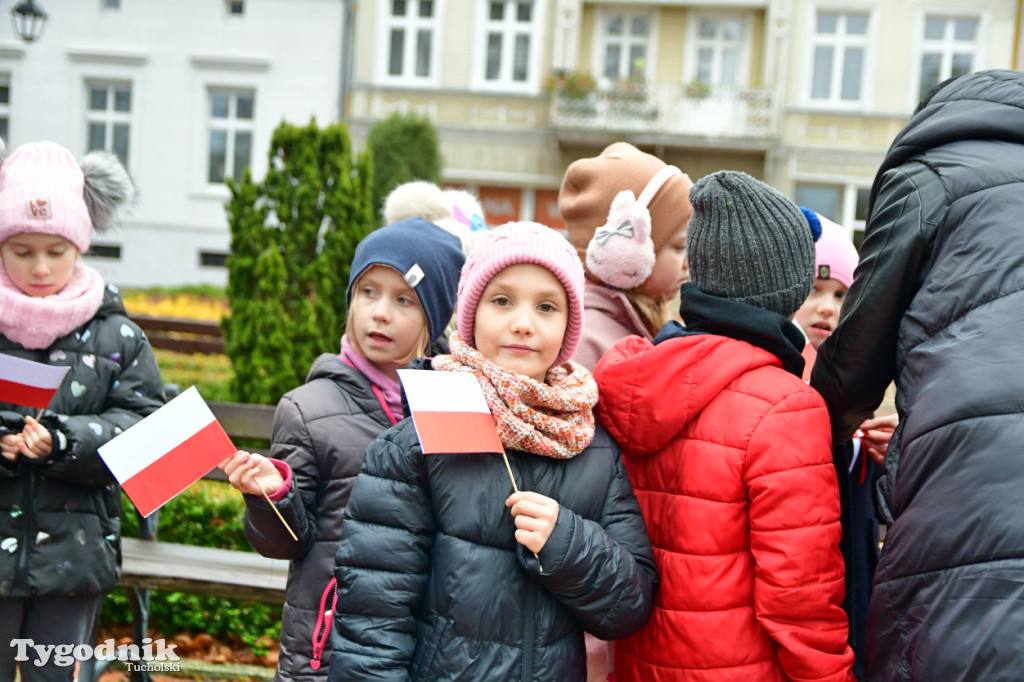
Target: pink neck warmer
x,y
35,323
390,389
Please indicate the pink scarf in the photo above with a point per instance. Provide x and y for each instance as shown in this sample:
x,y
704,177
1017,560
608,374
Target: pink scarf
x,y
554,419
35,323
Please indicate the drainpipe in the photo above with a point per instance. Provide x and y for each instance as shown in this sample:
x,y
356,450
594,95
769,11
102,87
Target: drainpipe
x,y
346,58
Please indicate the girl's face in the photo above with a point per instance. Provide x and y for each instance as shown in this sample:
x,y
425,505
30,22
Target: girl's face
x,y
820,312
670,268
39,264
521,318
385,319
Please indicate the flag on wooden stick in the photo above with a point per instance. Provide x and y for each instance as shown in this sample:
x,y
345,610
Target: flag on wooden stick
x,y
449,412
32,384
167,451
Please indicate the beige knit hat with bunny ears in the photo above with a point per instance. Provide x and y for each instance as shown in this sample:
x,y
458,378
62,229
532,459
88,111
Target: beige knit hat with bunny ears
x,y
590,186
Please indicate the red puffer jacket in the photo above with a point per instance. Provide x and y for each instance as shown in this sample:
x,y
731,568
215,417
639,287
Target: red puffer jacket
x,y
730,457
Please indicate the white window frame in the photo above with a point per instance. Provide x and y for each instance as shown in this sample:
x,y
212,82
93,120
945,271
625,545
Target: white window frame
x,y
696,42
509,28
601,41
946,46
847,197
411,24
109,117
840,41
231,125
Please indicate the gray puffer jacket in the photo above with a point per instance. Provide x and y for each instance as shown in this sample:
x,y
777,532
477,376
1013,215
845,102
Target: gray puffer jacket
x,y
432,584
60,517
937,303
321,430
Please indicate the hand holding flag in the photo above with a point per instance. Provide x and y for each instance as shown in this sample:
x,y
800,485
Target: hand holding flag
x,y
27,383
451,415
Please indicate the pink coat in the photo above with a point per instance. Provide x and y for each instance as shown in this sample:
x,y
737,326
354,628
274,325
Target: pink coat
x,y
608,316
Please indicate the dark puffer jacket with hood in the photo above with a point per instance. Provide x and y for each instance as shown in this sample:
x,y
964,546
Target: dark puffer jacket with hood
x,y
321,430
60,517
937,304
433,585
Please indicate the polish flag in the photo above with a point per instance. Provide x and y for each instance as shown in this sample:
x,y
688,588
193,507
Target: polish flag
x,y
32,384
167,451
449,412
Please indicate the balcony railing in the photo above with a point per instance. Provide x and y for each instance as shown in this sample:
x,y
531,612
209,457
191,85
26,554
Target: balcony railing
x,y
672,109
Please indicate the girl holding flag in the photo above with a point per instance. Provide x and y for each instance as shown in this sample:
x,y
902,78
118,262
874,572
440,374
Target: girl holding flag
x,y
442,573
60,507
400,297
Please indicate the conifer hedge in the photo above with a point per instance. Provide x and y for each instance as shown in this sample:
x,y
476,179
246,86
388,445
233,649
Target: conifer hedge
x,y
293,236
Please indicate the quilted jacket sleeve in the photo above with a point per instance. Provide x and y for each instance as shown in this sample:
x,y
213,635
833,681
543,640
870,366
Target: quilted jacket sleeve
x,y
794,538
603,572
383,562
858,361
290,443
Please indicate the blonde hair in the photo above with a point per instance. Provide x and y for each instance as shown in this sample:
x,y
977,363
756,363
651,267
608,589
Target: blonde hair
x,y
419,349
654,311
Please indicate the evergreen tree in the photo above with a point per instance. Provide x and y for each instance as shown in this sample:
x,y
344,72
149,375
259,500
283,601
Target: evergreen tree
x,y
404,147
293,236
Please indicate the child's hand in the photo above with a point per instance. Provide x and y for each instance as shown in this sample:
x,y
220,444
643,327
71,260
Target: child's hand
x,y
535,518
876,433
36,441
244,470
9,446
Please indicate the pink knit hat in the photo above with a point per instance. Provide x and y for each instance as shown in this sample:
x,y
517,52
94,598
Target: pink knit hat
x,y
835,256
42,191
515,243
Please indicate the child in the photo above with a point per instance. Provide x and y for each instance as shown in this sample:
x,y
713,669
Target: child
x,y
857,460
626,213
730,454
60,507
439,567
400,295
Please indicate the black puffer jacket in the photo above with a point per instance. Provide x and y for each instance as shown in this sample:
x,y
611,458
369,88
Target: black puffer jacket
x,y
60,517
321,429
433,586
937,303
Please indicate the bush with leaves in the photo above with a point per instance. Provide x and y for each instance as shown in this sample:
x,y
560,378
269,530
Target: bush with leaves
x,y
208,514
293,236
404,147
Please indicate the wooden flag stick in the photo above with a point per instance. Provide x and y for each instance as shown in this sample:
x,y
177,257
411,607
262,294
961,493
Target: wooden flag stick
x,y
274,507
516,489
40,415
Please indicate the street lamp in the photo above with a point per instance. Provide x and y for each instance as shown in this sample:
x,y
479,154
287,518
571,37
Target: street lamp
x,y
28,19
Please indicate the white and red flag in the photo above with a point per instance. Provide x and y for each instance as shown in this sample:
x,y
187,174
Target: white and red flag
x,y
167,451
449,412
32,384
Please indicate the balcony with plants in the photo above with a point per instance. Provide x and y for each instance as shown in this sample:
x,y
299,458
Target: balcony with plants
x,y
693,109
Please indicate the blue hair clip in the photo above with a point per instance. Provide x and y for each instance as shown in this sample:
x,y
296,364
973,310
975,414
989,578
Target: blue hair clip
x,y
812,220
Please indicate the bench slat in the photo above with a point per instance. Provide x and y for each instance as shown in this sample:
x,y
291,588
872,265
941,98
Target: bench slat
x,y
171,566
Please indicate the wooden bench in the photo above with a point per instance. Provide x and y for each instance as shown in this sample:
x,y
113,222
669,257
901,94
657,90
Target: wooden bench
x,y
181,334
149,564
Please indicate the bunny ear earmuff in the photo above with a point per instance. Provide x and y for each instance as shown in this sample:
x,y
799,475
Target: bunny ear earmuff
x,y
621,252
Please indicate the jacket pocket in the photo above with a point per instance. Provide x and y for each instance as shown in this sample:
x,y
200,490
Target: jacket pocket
x,y
430,637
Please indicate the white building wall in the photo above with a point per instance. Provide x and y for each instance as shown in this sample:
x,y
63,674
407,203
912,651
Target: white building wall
x,y
288,52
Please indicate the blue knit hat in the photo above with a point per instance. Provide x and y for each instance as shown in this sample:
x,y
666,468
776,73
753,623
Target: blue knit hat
x,y
429,258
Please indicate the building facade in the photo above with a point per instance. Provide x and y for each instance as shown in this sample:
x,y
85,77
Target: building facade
x,y
806,94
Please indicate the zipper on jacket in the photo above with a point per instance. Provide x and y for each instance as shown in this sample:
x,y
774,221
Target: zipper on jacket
x,y
28,508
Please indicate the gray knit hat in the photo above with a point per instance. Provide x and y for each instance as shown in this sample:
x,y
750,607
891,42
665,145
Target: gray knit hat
x,y
749,243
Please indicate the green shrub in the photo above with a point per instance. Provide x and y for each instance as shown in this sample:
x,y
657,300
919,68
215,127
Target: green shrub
x,y
208,514
293,237
404,147
211,374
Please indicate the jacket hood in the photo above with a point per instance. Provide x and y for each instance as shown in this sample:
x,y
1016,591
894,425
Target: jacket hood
x,y
980,106
111,303
650,392
330,366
